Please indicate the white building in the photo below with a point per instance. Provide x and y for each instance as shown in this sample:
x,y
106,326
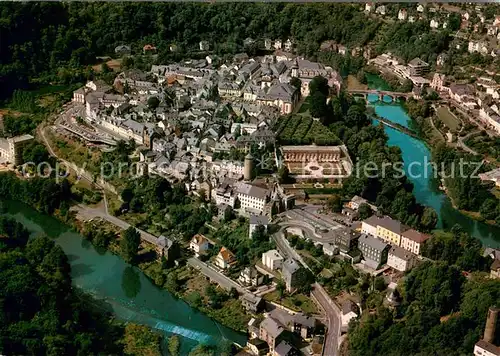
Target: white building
x,y
199,244
400,259
251,197
225,258
11,149
412,240
272,260
402,15
368,227
434,23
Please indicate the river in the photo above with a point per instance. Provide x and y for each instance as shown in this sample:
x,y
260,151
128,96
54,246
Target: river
x,y
425,188
128,293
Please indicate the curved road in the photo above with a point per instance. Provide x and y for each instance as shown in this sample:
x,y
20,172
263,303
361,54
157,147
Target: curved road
x,y
331,309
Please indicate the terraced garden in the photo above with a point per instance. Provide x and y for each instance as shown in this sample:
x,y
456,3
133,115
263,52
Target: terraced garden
x,y
303,130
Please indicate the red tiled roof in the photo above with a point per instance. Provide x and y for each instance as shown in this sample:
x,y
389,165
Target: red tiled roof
x,y
416,236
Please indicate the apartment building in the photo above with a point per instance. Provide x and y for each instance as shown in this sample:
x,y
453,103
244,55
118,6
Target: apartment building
x,y
400,259
374,251
412,240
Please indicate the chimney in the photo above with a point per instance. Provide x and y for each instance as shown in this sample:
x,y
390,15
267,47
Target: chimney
x,y
491,323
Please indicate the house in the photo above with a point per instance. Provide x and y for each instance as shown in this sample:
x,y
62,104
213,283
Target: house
x,y
486,346
277,44
412,240
204,46
304,325
249,276
223,211
495,269
148,48
357,201
122,50
380,10
330,249
374,251
167,248
256,220
288,45
257,346
268,43
369,6
272,260
284,348
289,272
199,244
420,8
400,259
434,24
225,258
270,331
438,81
251,302
402,15
349,311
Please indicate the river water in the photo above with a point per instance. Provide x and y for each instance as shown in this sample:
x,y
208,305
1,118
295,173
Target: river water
x,y
128,293
425,187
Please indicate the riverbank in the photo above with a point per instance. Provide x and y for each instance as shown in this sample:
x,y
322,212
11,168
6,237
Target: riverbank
x,y
426,188
178,279
129,293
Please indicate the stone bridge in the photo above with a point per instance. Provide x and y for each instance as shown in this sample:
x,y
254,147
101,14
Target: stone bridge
x,y
394,95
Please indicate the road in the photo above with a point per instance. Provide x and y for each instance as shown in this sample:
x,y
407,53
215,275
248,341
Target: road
x,y
216,276
88,213
332,311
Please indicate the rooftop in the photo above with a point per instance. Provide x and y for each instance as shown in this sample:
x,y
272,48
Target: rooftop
x,y
259,220
273,327
372,242
401,253
416,236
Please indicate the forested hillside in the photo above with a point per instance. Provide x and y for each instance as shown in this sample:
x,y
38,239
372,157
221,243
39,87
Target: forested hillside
x,y
49,41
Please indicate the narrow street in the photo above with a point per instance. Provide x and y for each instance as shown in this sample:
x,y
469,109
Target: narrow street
x,y
332,311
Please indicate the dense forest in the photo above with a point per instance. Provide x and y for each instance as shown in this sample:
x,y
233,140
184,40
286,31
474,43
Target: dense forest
x,y
442,311
40,313
52,42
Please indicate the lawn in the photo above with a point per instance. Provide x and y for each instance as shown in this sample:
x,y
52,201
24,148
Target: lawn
x,y
297,302
354,84
448,118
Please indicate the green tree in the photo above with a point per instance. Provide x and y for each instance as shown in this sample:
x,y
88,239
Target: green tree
x,y
319,84
129,244
153,102
334,203
488,209
365,211
429,219
284,174
174,344
296,82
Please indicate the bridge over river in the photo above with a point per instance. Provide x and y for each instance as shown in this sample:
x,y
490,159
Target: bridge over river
x,y
394,95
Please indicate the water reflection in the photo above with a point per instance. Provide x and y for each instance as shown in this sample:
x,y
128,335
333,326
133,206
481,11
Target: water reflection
x,y
131,282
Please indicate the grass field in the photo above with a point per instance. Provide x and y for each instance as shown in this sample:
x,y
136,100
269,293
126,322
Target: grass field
x,y
450,120
298,302
354,84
